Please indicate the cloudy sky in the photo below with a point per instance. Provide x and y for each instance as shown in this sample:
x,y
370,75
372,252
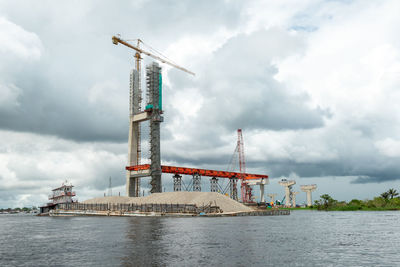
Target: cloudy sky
x,y
315,86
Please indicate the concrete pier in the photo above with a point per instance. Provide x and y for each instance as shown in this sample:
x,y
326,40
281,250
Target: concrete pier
x,y
294,199
308,189
288,190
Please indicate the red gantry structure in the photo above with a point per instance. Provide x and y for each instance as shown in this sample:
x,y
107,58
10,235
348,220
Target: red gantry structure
x,y
202,172
247,179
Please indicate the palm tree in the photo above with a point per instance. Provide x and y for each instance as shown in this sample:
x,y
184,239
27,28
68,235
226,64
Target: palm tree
x,y
392,193
385,195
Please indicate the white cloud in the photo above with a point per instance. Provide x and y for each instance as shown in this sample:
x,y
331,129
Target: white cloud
x,y
31,165
16,40
346,57
389,147
267,14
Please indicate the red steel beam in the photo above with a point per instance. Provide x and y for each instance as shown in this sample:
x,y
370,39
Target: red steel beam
x,y
202,172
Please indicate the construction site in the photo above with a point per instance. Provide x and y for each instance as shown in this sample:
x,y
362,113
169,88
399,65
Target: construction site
x,y
231,192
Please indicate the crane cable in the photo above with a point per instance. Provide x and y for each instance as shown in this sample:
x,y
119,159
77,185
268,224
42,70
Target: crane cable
x,y
159,53
155,51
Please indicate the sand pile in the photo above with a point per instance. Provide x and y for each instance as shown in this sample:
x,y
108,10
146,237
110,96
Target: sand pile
x,y
198,198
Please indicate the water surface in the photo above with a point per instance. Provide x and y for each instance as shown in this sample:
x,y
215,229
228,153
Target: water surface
x,y
305,238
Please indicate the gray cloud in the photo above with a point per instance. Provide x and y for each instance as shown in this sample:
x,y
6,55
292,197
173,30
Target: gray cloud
x,y
379,175
65,79
55,97
78,55
240,91
236,89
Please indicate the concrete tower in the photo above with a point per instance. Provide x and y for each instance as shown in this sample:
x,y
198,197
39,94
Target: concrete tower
x,y
308,189
152,112
135,99
288,190
154,106
294,199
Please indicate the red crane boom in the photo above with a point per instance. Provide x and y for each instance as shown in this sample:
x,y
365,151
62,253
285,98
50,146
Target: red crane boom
x,y
245,188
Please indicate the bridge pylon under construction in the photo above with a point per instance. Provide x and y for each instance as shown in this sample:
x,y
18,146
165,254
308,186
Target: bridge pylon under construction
x,y
152,113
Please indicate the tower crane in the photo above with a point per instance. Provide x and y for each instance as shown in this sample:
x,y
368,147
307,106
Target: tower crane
x,y
140,51
138,57
134,153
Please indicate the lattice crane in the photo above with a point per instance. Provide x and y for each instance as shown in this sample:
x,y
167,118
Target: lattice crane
x,y
246,189
239,159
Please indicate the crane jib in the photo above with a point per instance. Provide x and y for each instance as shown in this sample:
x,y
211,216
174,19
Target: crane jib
x,y
117,40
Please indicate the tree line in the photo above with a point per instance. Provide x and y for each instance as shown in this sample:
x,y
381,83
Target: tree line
x,y
388,200
17,210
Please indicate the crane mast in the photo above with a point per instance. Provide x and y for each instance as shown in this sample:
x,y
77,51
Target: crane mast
x,y
138,62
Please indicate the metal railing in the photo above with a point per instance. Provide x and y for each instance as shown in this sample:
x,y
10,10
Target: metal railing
x,y
162,208
62,194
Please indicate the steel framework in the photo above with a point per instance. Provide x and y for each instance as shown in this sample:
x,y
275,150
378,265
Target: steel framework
x,y
202,172
196,182
233,188
177,182
214,184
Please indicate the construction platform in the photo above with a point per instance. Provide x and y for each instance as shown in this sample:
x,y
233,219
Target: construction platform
x,y
173,204
70,212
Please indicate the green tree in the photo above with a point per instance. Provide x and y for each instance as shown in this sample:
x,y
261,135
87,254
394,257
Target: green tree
x,y
355,202
379,202
325,202
385,195
395,203
392,193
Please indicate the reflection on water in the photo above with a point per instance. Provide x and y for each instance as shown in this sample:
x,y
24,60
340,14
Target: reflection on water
x,y
305,238
143,241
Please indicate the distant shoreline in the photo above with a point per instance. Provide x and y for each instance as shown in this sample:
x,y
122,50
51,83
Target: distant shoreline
x,y
346,209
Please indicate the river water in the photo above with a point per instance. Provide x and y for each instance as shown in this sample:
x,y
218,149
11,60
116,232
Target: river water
x,y
305,238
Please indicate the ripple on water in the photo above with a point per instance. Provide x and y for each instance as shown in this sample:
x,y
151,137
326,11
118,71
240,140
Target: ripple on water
x,y
305,238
